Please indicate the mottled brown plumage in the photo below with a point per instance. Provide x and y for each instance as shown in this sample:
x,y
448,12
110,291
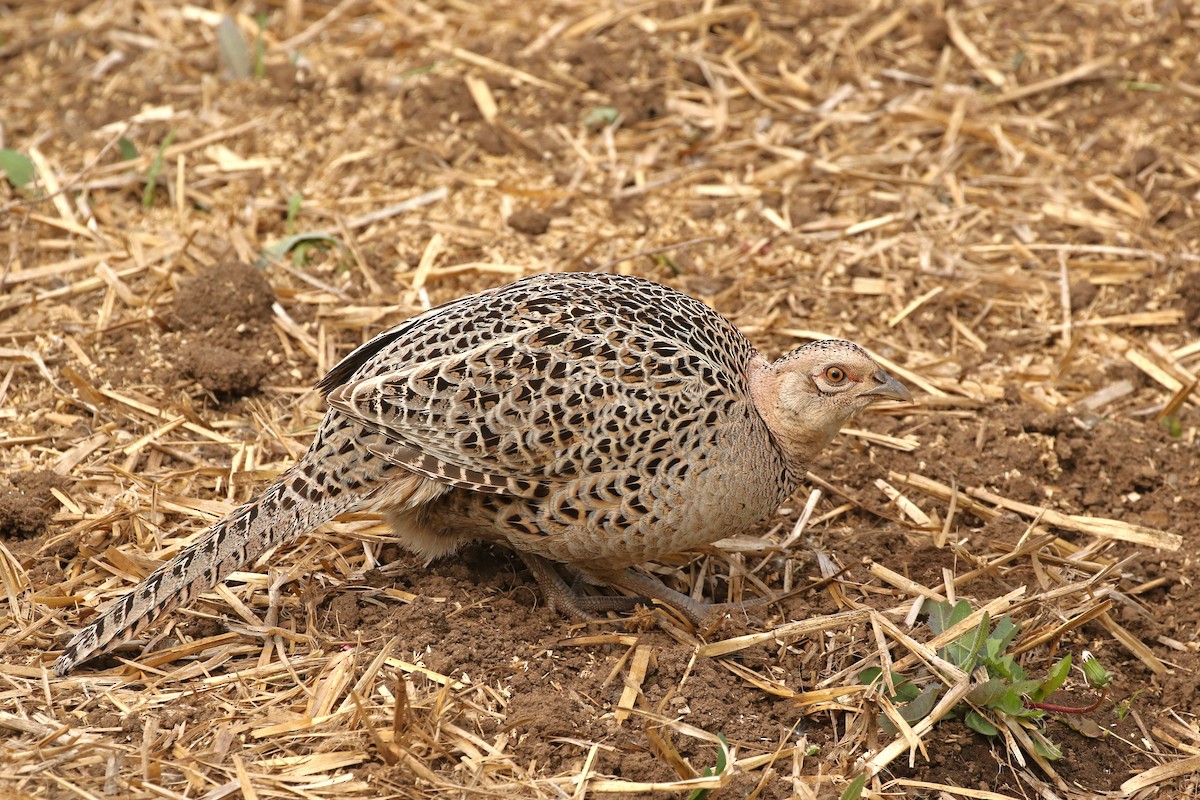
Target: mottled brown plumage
x,y
597,421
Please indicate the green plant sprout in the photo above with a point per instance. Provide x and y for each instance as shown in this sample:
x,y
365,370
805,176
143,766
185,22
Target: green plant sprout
x,y
299,245
17,167
855,789
666,261
1173,425
1007,694
709,772
260,47
127,149
1121,710
600,117
156,167
295,200
417,71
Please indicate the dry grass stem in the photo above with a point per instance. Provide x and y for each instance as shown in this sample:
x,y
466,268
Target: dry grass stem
x,y
998,202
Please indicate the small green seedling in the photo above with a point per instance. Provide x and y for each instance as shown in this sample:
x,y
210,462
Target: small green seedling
x,y
1122,709
299,246
666,261
1141,86
600,117
709,772
418,71
17,167
1007,694
295,200
1173,425
260,47
127,149
855,789
156,167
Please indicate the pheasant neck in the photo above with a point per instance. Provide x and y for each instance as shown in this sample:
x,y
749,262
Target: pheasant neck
x,y
800,433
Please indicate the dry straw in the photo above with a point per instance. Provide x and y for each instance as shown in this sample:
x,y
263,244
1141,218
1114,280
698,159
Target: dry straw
x,y
886,173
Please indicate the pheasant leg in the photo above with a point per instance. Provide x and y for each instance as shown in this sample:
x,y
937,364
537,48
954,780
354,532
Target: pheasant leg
x,y
565,600
698,611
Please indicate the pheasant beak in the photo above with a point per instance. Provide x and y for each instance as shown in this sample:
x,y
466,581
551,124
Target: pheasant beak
x,y
888,389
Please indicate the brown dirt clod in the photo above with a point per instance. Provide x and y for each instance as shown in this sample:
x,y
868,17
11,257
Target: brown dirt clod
x,y
26,504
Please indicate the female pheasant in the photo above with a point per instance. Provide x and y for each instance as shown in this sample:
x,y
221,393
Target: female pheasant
x,y
596,421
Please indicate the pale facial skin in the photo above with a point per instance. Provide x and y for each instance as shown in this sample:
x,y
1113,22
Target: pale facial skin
x,y
809,394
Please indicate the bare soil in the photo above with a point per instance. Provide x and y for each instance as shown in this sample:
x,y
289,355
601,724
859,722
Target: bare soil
x,y
943,182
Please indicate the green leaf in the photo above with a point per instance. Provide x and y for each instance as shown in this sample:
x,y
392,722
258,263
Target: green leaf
x,y
285,245
700,794
1044,747
293,208
232,48
156,166
962,651
979,723
724,748
1174,426
1005,667
1006,630
1010,703
416,71
1141,86
1083,726
1025,687
855,789
600,117
17,167
1054,679
943,616
302,253
260,47
938,614
661,259
920,707
992,650
962,610
915,710
128,149
906,690
988,693
1122,709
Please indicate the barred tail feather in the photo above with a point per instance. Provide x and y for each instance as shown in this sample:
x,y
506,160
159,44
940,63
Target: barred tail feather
x,y
288,508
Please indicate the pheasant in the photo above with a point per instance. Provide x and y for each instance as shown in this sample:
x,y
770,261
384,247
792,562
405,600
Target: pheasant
x,y
589,420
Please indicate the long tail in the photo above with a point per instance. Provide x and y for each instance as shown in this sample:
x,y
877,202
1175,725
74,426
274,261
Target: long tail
x,y
310,493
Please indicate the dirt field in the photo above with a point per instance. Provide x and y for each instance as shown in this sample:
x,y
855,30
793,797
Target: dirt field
x,y
1000,199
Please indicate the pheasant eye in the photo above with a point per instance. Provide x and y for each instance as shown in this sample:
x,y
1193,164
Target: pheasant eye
x,y
835,375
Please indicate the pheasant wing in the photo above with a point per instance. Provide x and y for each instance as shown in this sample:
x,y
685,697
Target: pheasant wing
x,y
538,406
